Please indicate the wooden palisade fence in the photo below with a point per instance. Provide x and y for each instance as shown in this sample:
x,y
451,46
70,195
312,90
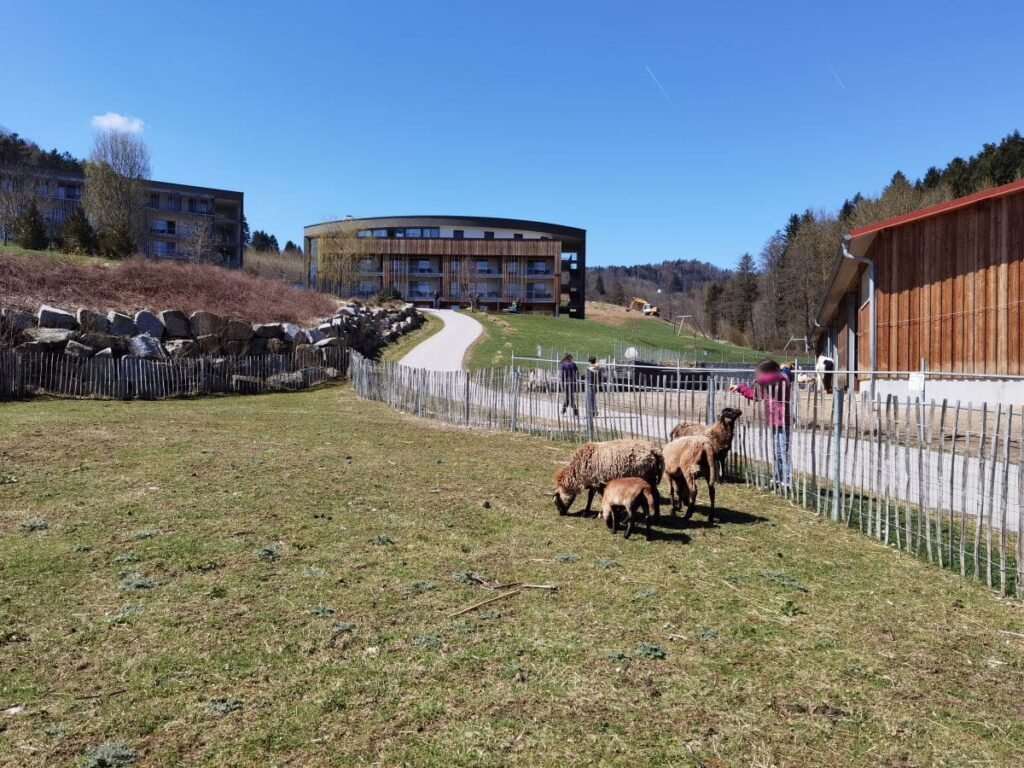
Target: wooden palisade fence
x,y
940,480
125,378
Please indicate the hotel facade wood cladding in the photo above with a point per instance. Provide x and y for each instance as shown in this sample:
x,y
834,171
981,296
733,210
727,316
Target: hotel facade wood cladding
x,y
948,287
536,267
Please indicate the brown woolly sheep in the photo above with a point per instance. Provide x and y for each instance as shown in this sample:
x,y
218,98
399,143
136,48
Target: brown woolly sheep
x,y
595,464
686,460
720,433
630,494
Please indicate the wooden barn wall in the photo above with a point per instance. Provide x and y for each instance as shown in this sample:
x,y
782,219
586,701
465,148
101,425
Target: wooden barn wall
x,y
949,290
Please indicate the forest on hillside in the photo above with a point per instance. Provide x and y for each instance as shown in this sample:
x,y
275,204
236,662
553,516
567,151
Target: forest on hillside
x,y
771,297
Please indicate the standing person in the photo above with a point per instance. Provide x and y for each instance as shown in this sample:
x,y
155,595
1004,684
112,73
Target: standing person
x,y
569,374
594,376
773,385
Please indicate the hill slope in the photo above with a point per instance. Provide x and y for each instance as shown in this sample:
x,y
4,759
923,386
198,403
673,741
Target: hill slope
x,y
31,278
606,324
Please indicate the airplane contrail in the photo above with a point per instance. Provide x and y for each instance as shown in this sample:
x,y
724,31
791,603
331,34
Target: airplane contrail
x,y
838,80
660,88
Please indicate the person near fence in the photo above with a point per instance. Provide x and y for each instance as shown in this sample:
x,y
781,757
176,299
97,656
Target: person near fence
x,y
594,377
569,375
773,385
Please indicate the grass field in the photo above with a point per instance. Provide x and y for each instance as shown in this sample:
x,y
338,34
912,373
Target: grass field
x,y
399,349
273,580
505,334
74,258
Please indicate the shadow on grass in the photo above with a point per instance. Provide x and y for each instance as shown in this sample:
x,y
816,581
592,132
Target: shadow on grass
x,y
699,519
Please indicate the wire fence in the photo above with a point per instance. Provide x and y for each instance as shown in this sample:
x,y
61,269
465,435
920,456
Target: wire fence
x,y
125,378
937,479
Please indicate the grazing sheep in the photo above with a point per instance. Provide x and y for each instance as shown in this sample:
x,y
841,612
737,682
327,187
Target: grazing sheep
x,y
630,494
595,464
687,459
720,434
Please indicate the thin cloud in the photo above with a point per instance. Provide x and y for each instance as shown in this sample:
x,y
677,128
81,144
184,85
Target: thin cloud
x,y
839,80
112,121
660,88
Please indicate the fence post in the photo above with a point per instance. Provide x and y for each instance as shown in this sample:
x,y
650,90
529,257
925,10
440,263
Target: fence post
x,y
837,426
590,411
515,394
467,398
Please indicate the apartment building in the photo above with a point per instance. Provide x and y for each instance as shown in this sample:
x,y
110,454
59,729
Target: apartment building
x,y
173,213
493,263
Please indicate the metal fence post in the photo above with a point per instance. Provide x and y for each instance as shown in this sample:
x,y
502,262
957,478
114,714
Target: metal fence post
x,y
712,387
837,428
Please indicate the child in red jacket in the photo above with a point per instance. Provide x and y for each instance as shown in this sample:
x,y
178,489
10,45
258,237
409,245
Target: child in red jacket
x,y
773,385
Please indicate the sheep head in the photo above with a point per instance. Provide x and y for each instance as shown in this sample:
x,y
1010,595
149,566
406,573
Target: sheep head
x,y
729,415
564,496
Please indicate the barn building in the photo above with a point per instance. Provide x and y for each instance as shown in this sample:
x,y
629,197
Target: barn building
x,y
940,286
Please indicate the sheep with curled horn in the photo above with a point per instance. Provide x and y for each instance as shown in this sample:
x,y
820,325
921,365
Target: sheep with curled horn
x,y
720,434
595,464
688,459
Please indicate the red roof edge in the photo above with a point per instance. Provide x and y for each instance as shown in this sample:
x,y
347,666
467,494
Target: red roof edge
x,y
935,210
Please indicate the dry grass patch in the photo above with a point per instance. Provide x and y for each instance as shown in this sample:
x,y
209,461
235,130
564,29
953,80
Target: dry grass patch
x,y
26,281
314,549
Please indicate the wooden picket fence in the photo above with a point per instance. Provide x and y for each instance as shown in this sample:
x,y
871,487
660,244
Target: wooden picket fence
x,y
939,480
126,378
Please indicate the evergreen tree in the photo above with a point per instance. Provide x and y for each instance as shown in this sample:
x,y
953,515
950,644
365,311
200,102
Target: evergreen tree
x,y
30,229
291,247
246,235
742,293
77,234
712,301
599,285
618,293
261,241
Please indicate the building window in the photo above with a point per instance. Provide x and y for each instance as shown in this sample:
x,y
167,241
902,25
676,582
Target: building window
x,y
413,232
517,236
482,267
380,233
364,233
488,235
423,266
458,234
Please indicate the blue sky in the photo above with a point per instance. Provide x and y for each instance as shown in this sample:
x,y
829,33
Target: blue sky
x,y
667,130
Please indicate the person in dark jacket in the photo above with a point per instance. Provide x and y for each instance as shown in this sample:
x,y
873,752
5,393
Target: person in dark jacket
x,y
569,375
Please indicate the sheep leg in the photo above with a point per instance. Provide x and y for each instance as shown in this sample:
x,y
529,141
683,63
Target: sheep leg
x,y
590,500
691,499
613,523
711,512
674,492
630,516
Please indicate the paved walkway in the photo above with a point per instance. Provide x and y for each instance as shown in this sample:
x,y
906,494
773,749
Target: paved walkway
x,y
445,350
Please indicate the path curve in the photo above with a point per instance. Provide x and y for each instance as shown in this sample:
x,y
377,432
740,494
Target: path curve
x,y
445,350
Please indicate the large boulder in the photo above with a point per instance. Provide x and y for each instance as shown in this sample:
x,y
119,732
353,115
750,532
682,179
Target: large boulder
x,y
269,330
120,324
108,352
50,338
52,317
146,347
294,334
294,380
181,348
206,324
75,349
278,346
256,346
236,330
329,342
16,320
209,344
314,335
176,324
149,324
97,341
92,321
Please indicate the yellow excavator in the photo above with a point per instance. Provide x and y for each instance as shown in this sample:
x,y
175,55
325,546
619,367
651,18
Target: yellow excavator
x,y
646,307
